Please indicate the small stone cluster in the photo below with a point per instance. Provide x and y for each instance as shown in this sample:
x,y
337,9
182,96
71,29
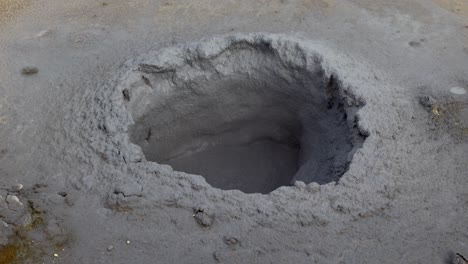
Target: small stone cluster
x,y
13,212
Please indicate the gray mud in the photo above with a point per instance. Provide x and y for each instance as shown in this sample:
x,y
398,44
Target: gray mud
x,y
247,114
178,132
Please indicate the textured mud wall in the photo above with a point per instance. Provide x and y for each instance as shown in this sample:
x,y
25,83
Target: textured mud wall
x,y
244,115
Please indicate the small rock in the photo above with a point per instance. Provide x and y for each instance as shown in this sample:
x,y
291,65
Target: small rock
x,y
13,202
427,101
217,256
29,70
458,90
128,242
414,43
299,184
231,241
110,248
16,212
203,218
4,224
17,187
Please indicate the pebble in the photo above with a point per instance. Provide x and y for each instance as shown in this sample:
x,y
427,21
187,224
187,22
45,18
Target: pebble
x,y
217,256
458,90
299,184
29,70
110,248
13,202
128,242
414,43
231,241
203,219
4,224
17,187
427,101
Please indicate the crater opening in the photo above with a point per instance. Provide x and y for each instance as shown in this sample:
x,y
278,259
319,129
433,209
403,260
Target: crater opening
x,y
246,115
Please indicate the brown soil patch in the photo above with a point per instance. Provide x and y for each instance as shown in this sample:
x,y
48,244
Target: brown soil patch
x,y
459,7
8,8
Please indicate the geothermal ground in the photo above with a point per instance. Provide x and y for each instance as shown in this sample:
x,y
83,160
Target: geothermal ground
x,y
282,131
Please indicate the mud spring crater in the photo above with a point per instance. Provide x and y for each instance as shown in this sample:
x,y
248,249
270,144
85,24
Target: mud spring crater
x,y
246,114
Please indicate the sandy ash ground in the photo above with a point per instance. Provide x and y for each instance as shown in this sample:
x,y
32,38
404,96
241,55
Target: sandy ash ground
x,y
74,189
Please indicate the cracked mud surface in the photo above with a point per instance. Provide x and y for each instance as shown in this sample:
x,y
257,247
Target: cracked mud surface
x,y
92,196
